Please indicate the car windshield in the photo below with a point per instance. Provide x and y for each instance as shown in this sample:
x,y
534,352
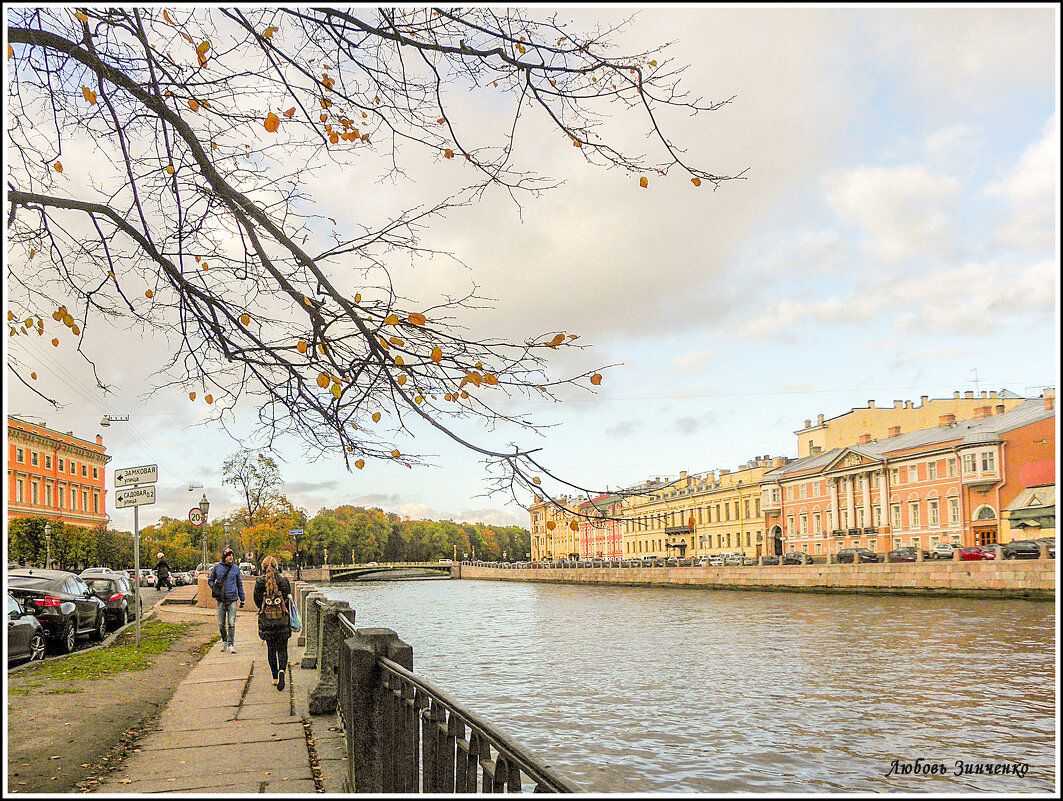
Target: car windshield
x,y
33,582
98,584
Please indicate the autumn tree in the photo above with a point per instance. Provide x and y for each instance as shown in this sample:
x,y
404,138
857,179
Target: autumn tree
x,y
161,177
256,477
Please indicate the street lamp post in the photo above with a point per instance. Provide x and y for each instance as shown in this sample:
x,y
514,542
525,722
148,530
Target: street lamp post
x,y
48,545
227,543
298,575
204,505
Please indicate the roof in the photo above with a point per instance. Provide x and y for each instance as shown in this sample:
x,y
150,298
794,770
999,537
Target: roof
x,y
1034,499
977,430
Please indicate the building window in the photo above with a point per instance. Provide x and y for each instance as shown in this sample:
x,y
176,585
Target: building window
x,y
895,513
727,511
747,507
33,458
96,473
951,468
932,470
73,470
816,522
932,513
47,462
84,500
804,525
913,474
954,510
913,514
988,462
756,506
895,476
860,516
33,492
970,464
59,465
47,494
19,491
19,456
790,523
84,471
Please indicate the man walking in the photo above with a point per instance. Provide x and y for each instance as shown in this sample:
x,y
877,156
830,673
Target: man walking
x,y
162,573
227,588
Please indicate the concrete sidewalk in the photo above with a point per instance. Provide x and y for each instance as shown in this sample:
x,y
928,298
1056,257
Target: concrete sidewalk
x,y
228,729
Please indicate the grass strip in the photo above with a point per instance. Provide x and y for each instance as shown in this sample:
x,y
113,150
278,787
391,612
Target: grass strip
x,y
121,655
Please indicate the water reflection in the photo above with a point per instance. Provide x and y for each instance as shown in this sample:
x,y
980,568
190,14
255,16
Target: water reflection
x,y
641,689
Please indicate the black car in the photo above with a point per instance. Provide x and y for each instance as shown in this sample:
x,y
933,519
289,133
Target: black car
x,y
25,634
62,602
905,554
793,558
116,593
851,555
771,559
1051,543
1022,549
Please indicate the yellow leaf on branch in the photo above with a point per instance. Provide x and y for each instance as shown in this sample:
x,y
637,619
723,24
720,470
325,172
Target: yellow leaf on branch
x,y
417,319
376,417
201,52
391,319
437,355
90,96
272,122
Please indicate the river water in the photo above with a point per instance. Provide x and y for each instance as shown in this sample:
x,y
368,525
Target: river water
x,y
653,690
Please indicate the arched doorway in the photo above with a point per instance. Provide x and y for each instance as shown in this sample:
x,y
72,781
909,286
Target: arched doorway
x,y
776,541
985,526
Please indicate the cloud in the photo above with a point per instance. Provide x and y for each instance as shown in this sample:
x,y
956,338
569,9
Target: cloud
x,y
689,425
624,428
1032,187
901,211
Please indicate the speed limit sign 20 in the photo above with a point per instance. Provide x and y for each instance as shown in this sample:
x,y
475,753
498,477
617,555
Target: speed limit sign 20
x,y
195,517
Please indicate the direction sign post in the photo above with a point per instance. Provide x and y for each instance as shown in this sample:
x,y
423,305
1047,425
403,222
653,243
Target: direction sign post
x,y
136,497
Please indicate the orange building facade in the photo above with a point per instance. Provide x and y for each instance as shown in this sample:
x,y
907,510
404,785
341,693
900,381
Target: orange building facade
x,y
950,483
55,475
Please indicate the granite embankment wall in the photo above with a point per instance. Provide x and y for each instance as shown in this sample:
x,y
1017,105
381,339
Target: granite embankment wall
x,y
1030,579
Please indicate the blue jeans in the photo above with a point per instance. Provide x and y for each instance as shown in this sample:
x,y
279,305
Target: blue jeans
x,y
227,615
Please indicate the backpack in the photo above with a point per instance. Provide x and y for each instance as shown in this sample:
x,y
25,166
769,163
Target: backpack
x,y
273,608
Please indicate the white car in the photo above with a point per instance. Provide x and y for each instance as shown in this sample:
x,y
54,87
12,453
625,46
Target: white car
x,y
943,550
731,559
446,561
716,560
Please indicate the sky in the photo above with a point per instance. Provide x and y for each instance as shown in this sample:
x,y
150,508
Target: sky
x,y
895,234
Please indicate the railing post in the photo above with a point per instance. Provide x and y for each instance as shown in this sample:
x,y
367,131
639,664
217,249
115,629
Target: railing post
x,y
312,628
302,590
323,697
365,689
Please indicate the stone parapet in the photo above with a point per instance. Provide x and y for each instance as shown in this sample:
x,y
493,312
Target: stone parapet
x,y
1029,579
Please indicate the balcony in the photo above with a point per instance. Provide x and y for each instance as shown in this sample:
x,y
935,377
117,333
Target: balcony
x,y
870,530
854,532
981,480
838,532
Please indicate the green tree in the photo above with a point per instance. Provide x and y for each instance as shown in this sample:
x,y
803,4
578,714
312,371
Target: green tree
x,y
205,127
257,478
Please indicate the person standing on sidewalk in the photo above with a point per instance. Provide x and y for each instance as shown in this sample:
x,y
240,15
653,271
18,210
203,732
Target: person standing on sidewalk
x,y
274,622
227,587
162,573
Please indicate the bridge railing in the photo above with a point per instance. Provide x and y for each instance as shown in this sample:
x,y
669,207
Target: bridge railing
x,y
403,734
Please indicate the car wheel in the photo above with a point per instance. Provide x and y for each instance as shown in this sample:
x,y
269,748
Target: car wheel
x,y
123,616
66,641
99,631
37,647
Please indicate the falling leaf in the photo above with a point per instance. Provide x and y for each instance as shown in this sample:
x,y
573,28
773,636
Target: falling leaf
x,y
417,319
398,343
643,182
90,96
596,379
696,181
34,377
244,319
490,379
536,480
376,417
437,355
289,112
577,143
653,63
58,166
399,361
557,340
191,395
55,342
272,122
551,525
359,464
357,298
192,104
209,399
441,120
75,330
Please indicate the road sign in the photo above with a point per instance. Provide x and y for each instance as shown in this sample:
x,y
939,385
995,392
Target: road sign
x,y
138,496
145,474
195,516
296,532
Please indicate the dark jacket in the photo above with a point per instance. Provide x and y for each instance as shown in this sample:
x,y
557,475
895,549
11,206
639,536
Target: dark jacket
x,y
276,629
162,569
233,587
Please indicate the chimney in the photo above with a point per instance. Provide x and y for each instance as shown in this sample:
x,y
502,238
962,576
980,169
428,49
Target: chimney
x,y
820,420
968,395
992,393
816,449
898,404
956,395
1050,400
778,461
979,411
870,404
894,431
908,405
682,474
99,439
863,439
946,420
724,471
1001,408
808,424
710,476
923,399
983,394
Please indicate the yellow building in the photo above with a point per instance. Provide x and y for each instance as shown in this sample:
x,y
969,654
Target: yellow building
x,y
902,417
698,515
552,532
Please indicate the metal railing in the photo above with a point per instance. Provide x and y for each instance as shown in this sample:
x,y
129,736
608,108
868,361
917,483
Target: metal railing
x,y
403,734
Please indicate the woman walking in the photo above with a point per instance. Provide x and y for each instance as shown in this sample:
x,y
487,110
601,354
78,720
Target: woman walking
x,y
274,624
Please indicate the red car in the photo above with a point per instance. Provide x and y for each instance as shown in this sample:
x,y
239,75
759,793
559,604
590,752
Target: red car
x,y
977,552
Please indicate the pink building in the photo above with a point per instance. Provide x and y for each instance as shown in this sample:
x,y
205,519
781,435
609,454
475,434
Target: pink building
x,y
601,538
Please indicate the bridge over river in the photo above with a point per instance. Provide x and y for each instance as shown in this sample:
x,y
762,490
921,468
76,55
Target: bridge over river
x,y
390,571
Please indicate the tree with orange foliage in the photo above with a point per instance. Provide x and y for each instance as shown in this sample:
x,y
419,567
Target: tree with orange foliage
x,y
193,218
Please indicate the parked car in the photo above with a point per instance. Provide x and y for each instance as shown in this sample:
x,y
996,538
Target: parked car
x,y
944,550
793,558
771,559
25,634
977,553
117,594
62,602
905,554
715,560
147,578
1051,543
731,559
97,570
1022,549
248,569
446,561
851,555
